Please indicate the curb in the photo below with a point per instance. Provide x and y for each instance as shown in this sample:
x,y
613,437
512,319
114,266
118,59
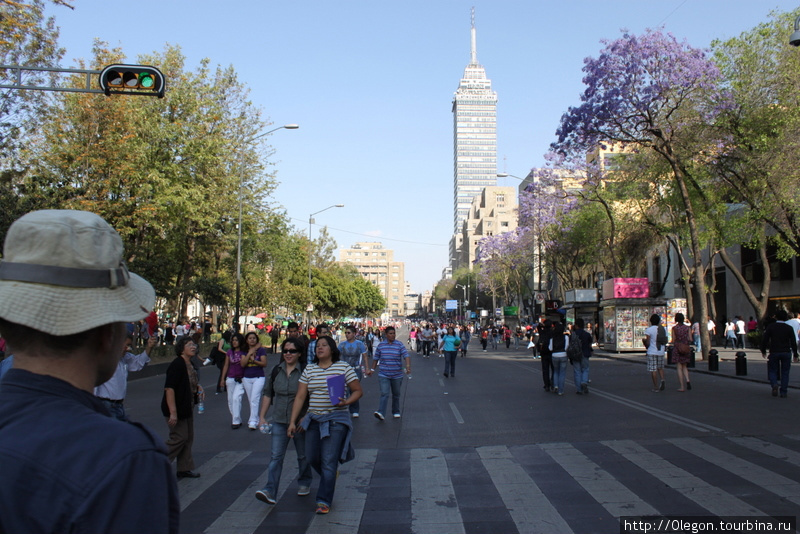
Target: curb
x,y
610,356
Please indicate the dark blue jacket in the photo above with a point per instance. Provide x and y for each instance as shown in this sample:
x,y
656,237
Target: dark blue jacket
x,y
66,465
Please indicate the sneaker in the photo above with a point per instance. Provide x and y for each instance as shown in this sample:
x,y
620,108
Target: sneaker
x,y
264,496
585,388
396,416
355,415
323,508
188,474
774,391
379,415
555,390
663,386
303,491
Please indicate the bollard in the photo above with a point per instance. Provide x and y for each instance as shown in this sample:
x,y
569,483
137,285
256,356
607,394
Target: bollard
x,y
713,360
741,363
691,363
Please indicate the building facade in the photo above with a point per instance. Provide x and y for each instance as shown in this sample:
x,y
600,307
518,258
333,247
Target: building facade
x,y
493,212
377,265
474,139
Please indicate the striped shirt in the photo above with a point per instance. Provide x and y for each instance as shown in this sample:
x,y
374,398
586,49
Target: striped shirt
x,y
391,355
316,378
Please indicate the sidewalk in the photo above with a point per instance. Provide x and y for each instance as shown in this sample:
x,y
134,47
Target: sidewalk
x,y
756,365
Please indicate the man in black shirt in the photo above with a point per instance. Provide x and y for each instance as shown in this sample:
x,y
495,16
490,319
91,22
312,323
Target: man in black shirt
x,y
782,344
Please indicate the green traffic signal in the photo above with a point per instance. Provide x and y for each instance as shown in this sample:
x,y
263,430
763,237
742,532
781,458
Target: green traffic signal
x,y
132,80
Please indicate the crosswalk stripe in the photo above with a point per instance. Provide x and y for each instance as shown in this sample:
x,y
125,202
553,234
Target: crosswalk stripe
x,y
770,449
716,501
189,489
528,506
769,480
434,508
350,497
246,513
601,485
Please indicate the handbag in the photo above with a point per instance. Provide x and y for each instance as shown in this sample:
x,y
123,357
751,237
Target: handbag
x,y
683,348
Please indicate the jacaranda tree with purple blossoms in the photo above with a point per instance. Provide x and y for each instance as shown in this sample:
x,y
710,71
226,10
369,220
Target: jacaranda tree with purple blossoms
x,y
651,92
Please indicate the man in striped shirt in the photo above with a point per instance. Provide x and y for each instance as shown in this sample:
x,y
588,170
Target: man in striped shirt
x,y
391,354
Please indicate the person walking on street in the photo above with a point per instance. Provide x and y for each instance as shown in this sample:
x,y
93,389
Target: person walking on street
x,y
655,353
234,376
781,342
580,369
280,392
354,353
740,331
558,345
681,335
327,425
253,362
67,464
546,354
465,337
391,354
181,390
730,334
448,345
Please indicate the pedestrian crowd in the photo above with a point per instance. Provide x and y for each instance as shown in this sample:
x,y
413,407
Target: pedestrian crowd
x,y
72,458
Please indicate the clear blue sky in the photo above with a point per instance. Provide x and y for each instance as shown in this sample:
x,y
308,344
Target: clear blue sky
x,y
370,82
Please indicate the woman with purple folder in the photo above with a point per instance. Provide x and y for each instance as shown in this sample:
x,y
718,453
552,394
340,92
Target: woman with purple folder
x,y
327,424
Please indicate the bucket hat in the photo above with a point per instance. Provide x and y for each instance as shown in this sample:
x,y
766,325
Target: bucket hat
x,y
62,273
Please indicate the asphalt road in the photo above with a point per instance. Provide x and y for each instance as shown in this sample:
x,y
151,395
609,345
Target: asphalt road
x,y
489,451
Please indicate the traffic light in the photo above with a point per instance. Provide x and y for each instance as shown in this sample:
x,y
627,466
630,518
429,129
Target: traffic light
x,y
132,80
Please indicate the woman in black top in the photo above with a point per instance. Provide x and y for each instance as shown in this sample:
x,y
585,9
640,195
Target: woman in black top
x,y
180,387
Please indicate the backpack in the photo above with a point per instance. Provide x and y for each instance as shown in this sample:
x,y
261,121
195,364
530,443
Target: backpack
x,y
661,337
575,348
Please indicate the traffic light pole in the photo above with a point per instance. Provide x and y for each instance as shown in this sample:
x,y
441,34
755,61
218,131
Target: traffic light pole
x,y
17,81
17,71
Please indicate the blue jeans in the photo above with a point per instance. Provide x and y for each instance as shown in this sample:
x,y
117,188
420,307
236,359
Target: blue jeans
x,y
580,372
280,441
559,372
696,343
450,362
779,363
388,384
323,455
355,406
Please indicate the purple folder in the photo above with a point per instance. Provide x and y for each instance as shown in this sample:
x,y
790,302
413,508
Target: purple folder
x,y
336,388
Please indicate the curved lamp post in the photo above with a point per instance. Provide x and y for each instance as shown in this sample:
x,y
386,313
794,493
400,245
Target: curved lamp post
x,y
310,222
794,39
239,240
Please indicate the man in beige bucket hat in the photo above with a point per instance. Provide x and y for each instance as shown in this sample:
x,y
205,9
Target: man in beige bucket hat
x,y
67,465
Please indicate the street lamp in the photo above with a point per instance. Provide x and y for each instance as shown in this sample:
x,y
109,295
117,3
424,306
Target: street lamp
x,y
794,39
239,240
310,222
464,302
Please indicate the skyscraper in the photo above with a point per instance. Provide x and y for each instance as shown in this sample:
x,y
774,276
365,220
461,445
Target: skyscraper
x,y
474,136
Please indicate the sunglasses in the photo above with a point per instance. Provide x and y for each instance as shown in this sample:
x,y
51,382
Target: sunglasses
x,y
291,351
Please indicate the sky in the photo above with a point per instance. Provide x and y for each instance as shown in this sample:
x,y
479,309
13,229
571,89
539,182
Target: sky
x,y
371,83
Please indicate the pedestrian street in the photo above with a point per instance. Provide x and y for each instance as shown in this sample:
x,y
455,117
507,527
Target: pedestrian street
x,y
489,451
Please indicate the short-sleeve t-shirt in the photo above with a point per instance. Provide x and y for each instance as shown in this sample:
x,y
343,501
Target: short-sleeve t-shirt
x,y
351,352
316,378
652,348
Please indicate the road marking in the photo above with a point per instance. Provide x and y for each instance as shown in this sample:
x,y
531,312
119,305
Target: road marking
x,y
246,513
662,414
434,508
769,480
770,449
459,419
189,489
599,483
350,498
528,506
713,499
